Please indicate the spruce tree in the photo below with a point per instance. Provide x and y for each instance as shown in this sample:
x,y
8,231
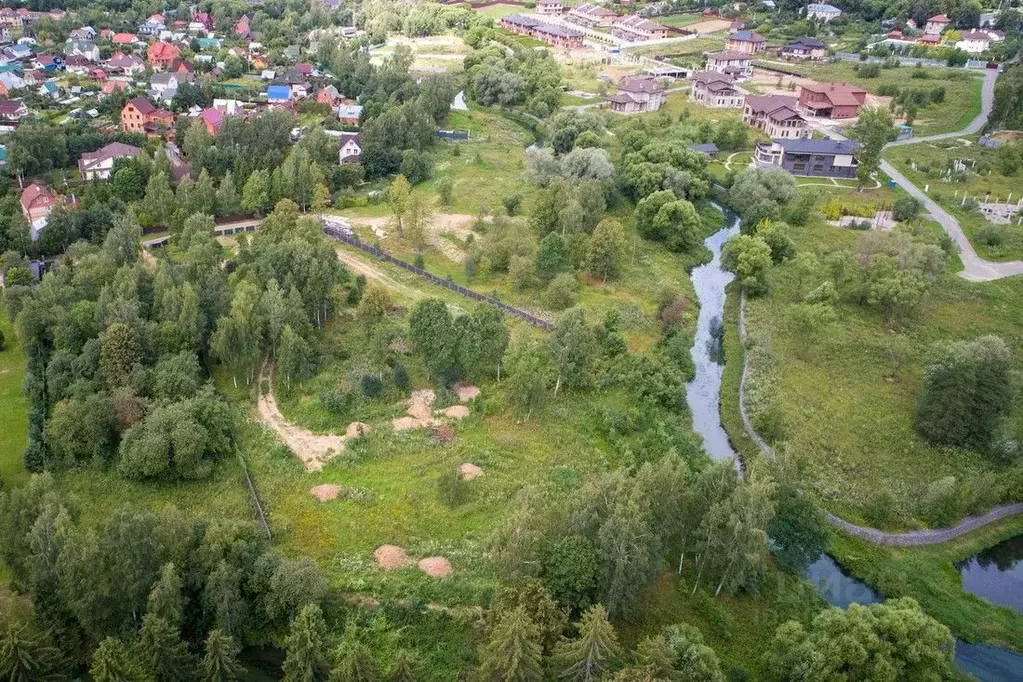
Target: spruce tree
x,y
304,647
593,652
220,662
406,667
513,652
113,662
165,597
162,650
353,661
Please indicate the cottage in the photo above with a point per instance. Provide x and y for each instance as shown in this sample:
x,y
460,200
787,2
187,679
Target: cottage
x,y
738,65
128,65
936,25
820,158
805,48
555,7
832,100
822,12
637,94
350,150
164,82
124,39
776,115
153,25
9,18
99,165
13,110
558,36
278,94
349,114
328,95
977,41
242,28
83,48
161,55
37,202
212,119
9,82
746,42
635,28
589,15
140,116
713,89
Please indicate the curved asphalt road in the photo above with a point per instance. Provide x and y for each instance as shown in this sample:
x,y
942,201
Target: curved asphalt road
x,y
975,268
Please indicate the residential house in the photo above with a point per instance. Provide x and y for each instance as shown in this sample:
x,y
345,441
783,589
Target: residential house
x,y
9,18
979,40
9,82
242,28
209,43
746,42
936,25
82,33
82,47
153,25
805,48
350,149
349,114
124,39
125,64
832,100
49,89
163,86
635,28
212,118
78,65
111,86
558,36
636,94
819,158
37,202
589,15
140,116
12,110
555,7
204,20
278,94
776,115
822,12
713,89
99,165
929,39
328,95
161,55
49,63
738,65
18,52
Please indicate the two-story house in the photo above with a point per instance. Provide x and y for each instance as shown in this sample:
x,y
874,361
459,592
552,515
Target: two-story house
x,y
635,28
776,115
99,165
350,148
161,55
639,93
746,42
713,89
821,158
738,65
804,49
140,116
832,100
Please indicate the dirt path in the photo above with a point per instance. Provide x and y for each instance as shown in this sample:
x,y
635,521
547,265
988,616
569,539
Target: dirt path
x,y
370,271
914,538
453,224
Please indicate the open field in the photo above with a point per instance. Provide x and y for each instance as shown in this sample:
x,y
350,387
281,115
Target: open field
x,y
846,399
13,409
497,12
934,159
962,90
679,20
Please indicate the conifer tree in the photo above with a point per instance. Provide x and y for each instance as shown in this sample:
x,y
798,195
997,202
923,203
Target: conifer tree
x,y
220,662
165,597
406,667
353,661
304,646
162,650
592,654
513,653
112,662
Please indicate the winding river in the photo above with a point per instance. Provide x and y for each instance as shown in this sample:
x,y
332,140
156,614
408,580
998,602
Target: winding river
x,y
703,393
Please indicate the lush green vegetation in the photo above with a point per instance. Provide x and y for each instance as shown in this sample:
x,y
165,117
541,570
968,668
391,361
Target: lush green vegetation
x,y
14,416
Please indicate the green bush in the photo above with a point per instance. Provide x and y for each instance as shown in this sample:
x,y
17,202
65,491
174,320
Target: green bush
x,y
990,235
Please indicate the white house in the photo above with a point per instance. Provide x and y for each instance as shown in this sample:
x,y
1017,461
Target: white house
x,y
163,82
99,165
822,12
936,25
978,41
350,148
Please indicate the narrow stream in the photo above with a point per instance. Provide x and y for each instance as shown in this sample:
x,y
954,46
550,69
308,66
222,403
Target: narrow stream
x,y
987,571
703,392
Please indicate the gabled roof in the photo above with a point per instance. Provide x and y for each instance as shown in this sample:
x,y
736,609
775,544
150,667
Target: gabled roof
x,y
32,193
822,7
939,19
212,117
114,150
777,107
805,43
746,37
142,104
645,84
708,77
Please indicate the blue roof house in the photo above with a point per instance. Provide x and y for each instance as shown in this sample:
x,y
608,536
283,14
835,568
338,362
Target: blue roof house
x,y
278,94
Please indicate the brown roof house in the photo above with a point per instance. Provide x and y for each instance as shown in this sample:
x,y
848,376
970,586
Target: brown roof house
x,y
140,116
636,94
776,115
738,65
37,201
712,89
832,100
635,28
748,42
99,165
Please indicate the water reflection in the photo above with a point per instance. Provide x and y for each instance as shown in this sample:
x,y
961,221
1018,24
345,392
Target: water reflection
x,y
996,574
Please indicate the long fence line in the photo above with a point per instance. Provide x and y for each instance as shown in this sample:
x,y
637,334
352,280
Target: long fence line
x,y
340,235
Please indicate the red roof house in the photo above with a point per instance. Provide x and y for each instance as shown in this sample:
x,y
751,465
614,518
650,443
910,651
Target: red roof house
x,y
161,55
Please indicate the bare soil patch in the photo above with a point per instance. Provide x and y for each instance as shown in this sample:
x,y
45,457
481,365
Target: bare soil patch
x,y
454,224
420,414
769,84
466,392
455,412
325,492
710,26
443,433
468,471
436,567
391,557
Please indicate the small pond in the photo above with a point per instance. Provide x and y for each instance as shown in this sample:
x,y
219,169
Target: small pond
x,y
996,574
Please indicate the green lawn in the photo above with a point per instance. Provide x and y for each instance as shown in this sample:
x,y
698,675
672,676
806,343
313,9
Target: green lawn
x,y
934,159
846,399
962,91
680,20
497,12
14,410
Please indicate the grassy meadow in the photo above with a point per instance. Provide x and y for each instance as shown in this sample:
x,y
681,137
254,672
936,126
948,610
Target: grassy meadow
x,y
14,411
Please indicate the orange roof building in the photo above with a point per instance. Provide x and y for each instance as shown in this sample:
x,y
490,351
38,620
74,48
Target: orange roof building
x,y
161,55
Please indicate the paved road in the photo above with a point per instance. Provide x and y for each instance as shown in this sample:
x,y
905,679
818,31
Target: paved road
x,y
975,268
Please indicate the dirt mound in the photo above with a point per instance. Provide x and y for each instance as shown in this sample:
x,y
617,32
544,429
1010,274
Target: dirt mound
x,y
468,471
455,412
466,392
436,566
419,404
326,491
391,557
442,433
406,423
356,429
